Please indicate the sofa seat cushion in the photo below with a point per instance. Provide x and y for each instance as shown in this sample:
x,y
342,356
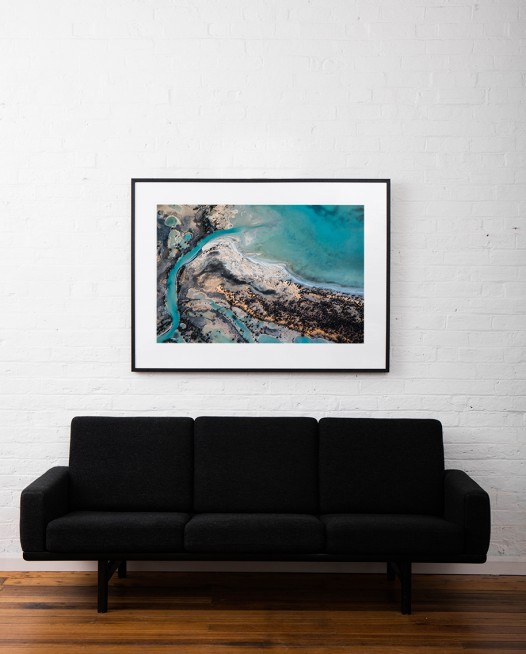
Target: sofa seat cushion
x,y
112,531
254,532
391,534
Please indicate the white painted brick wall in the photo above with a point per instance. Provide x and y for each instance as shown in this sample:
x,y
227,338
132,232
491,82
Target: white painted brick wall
x,y
430,93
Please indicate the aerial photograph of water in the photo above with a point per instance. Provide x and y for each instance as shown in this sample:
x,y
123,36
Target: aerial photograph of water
x,y
260,273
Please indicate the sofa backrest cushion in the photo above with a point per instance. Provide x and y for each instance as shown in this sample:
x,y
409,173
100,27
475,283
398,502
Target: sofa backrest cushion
x,y
375,465
140,464
256,465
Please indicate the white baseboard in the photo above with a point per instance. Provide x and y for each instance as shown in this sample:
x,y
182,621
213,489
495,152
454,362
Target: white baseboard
x,y
493,566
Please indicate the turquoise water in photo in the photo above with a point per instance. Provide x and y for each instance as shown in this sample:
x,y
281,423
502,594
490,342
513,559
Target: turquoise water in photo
x,y
171,285
318,245
321,244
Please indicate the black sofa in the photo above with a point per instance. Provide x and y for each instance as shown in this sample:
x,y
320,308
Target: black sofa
x,y
272,489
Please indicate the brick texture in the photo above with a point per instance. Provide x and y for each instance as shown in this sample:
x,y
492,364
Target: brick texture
x,y
430,93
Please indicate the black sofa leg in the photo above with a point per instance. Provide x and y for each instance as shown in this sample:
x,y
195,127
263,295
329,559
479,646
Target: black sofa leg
x,y
122,570
105,573
402,569
102,596
405,581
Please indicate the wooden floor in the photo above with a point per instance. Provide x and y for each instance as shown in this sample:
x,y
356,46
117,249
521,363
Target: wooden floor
x,y
239,613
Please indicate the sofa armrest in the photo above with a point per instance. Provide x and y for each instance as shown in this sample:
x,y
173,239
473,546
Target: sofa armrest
x,y
43,500
467,504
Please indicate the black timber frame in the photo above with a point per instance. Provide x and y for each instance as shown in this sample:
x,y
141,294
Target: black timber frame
x,y
109,562
106,570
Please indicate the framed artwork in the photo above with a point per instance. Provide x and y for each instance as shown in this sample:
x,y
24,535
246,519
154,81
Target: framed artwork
x,y
260,274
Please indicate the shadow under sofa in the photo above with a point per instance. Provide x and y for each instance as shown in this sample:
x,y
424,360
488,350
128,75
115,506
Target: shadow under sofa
x,y
255,489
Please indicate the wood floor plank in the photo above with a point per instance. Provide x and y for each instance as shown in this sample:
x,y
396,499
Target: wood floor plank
x,y
215,649
238,613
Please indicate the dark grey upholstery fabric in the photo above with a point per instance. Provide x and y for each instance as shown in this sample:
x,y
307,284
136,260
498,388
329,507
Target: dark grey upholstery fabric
x,y
109,531
135,464
467,504
256,465
392,534
253,533
43,500
370,465
131,483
